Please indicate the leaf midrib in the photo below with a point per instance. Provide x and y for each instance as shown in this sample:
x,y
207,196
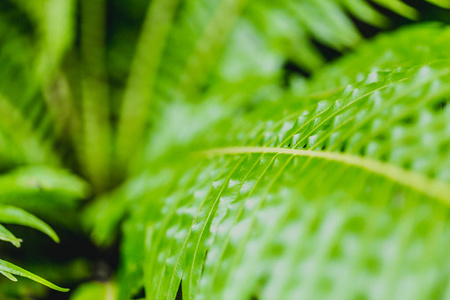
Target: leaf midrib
x,y
430,187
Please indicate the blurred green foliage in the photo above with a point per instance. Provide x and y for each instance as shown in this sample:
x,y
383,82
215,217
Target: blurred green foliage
x,y
225,149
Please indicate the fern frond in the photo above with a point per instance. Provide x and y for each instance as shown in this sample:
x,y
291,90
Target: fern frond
x,y
194,45
231,216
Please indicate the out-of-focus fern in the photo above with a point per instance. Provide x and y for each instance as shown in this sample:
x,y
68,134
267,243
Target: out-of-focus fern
x,y
31,51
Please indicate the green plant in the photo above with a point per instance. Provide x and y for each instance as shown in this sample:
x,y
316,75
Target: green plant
x,y
227,177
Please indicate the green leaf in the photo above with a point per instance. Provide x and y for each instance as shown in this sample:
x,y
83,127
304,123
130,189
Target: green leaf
x,y
14,215
7,269
6,235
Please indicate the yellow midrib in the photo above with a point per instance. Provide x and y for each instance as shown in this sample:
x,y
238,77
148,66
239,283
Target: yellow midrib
x,y
416,181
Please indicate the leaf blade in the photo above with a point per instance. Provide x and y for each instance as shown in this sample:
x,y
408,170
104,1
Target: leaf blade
x,y
14,215
7,267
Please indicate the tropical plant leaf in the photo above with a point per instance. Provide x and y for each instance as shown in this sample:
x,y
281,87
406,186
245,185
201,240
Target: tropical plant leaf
x,y
9,269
